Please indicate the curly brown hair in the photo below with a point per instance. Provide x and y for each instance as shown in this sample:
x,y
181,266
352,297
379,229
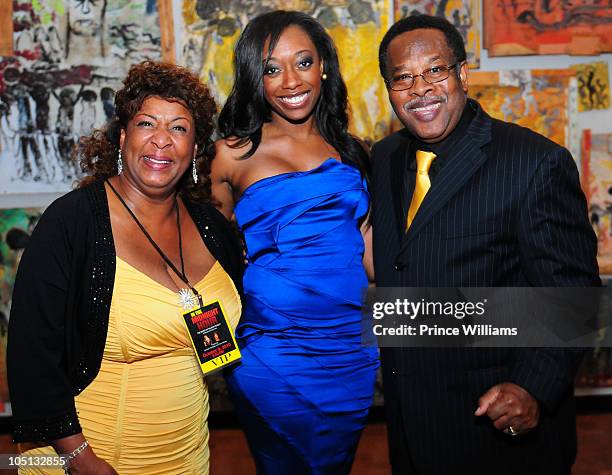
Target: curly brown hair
x,y
97,153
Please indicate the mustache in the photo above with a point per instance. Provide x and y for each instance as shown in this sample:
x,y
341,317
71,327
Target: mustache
x,y
420,101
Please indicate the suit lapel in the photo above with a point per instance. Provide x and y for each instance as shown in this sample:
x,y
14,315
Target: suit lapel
x,y
467,157
399,187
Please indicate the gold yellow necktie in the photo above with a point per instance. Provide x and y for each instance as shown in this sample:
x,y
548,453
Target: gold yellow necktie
x,y
422,184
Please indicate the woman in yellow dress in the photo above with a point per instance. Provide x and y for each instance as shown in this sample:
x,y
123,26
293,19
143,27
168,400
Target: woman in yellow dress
x,y
101,365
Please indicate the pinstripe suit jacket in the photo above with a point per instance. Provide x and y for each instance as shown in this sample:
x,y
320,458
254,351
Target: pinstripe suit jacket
x,y
505,210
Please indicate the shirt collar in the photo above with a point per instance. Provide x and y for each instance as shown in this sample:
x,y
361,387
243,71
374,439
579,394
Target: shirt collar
x,y
443,148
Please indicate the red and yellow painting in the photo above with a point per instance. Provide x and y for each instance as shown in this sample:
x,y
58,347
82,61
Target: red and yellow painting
x,y
597,185
537,99
526,27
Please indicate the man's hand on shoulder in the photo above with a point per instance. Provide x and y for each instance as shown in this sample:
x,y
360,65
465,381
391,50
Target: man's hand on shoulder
x,y
511,408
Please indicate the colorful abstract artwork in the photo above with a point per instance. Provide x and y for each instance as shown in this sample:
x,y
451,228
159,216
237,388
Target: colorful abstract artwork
x,y
464,14
542,100
596,176
525,27
69,58
15,227
597,185
593,86
212,28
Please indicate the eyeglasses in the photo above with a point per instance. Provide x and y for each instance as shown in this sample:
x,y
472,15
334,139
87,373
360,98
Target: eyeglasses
x,y
403,81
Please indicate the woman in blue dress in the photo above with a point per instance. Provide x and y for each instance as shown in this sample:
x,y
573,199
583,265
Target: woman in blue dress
x,y
294,178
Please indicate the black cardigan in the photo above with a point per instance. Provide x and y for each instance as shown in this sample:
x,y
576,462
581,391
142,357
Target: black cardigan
x,y
61,303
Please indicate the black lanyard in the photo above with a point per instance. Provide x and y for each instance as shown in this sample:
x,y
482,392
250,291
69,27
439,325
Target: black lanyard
x,y
181,274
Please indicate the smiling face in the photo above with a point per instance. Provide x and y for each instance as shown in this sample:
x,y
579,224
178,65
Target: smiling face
x,y
429,111
157,146
292,76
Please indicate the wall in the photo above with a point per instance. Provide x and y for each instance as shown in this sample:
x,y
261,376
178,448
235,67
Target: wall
x,y
598,121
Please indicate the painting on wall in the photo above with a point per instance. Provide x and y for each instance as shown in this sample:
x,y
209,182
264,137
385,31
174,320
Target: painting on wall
x,y
16,226
542,100
69,59
596,176
593,86
464,14
597,185
526,27
212,28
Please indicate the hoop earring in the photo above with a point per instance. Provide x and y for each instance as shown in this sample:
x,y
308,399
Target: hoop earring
x,y
324,76
119,163
194,172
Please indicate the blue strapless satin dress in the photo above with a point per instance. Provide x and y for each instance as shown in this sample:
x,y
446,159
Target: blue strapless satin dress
x,y
306,379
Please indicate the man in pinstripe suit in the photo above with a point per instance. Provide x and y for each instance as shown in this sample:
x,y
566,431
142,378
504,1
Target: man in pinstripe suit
x,y
502,207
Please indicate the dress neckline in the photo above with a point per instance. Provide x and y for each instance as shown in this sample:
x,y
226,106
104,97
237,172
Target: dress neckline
x,y
264,180
151,279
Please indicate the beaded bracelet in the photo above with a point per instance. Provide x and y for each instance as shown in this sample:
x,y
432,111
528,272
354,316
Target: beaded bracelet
x,y
72,455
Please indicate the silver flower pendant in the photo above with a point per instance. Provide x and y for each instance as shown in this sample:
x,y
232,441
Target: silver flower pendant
x,y
187,299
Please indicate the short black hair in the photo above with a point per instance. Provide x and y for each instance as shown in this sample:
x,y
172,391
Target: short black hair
x,y
454,40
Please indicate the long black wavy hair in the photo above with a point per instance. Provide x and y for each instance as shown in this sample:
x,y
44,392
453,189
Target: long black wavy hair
x,y
246,108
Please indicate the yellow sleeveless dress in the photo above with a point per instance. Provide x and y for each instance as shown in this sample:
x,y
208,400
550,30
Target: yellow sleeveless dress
x,y
147,409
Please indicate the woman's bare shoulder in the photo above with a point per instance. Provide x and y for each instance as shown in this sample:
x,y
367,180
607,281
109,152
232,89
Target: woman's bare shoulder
x,y
231,148
228,154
